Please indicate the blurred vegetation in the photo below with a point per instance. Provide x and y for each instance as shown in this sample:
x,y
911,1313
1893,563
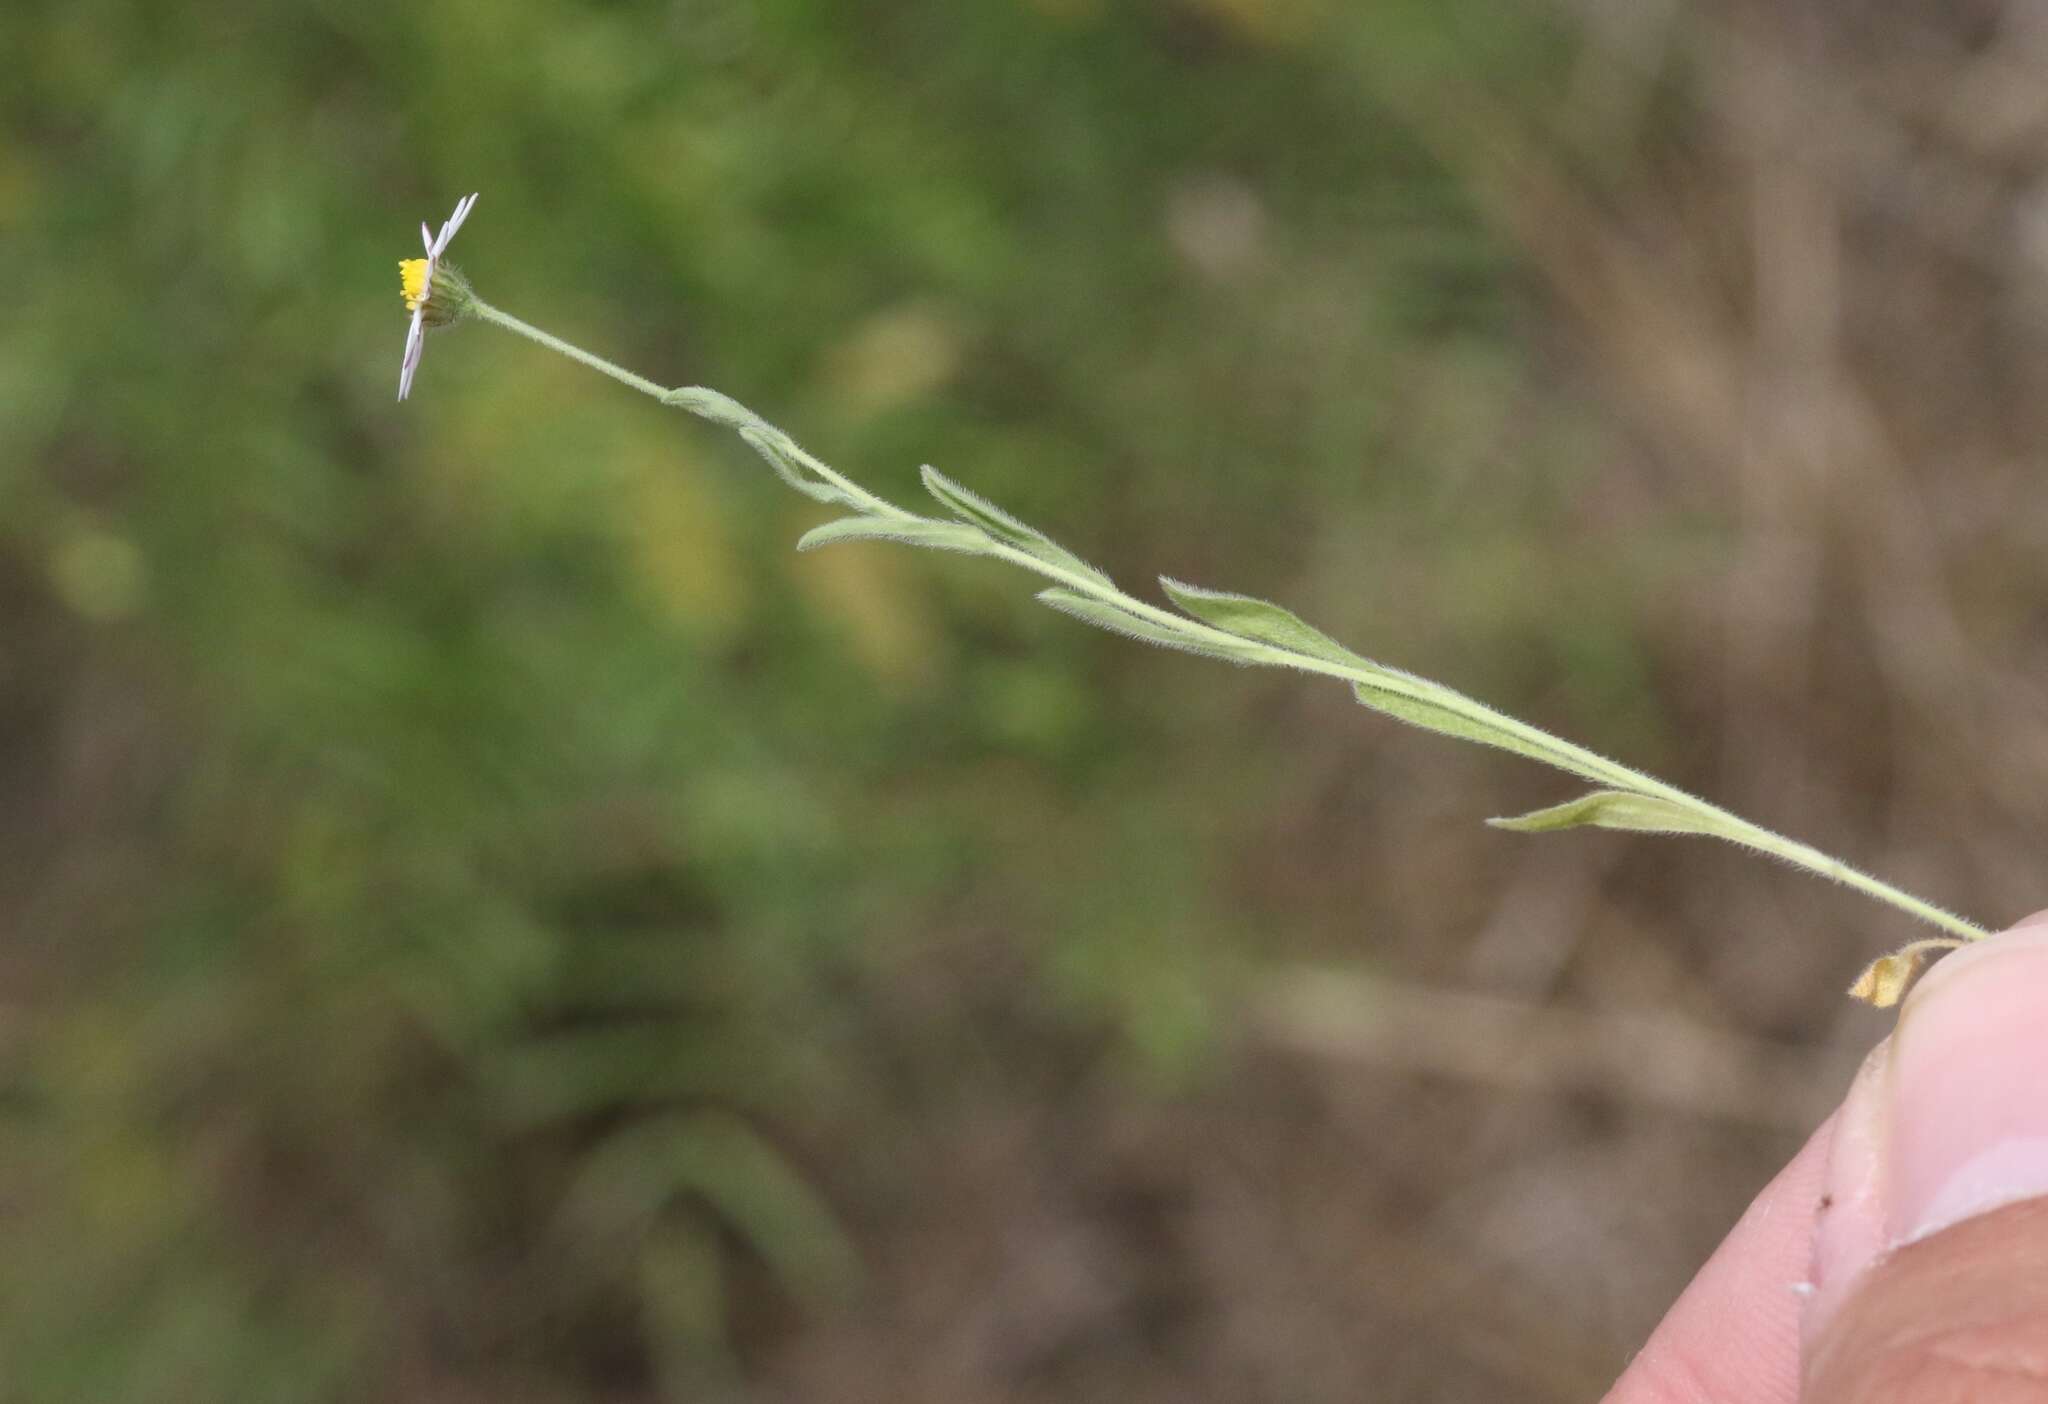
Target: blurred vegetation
x,y
466,881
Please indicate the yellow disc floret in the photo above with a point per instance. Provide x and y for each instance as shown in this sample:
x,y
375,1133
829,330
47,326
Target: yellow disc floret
x,y
412,273
433,290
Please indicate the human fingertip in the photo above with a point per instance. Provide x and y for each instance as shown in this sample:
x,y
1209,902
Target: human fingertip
x,y
1946,1124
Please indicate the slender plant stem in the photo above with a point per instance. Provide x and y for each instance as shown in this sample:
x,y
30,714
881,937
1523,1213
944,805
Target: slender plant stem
x,y
479,308
774,444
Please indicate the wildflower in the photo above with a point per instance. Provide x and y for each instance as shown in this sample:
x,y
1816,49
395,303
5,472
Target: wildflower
x,y
435,293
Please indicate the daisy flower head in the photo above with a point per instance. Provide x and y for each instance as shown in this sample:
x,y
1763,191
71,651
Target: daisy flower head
x,y
435,293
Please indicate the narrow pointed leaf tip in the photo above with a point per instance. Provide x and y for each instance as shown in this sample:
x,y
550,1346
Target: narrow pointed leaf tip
x,y
1884,981
977,511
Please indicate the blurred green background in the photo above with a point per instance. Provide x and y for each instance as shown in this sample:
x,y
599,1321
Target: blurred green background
x,y
481,919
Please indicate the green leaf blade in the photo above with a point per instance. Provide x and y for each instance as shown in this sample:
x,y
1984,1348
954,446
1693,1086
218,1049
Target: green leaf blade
x,y
1620,809
1251,618
910,531
974,508
780,452
1120,621
978,511
1471,722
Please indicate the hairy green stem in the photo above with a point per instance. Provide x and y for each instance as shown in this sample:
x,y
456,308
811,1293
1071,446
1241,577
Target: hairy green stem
x,y
479,308
1672,809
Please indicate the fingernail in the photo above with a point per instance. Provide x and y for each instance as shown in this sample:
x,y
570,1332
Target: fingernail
x,y
1949,1118
1969,1119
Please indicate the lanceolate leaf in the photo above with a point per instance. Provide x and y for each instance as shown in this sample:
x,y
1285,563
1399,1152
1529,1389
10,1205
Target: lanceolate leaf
x,y
1252,618
979,511
1614,809
914,531
1473,725
713,405
1120,621
972,507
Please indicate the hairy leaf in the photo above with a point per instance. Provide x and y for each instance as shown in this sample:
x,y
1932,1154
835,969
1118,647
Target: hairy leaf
x,y
979,511
782,455
914,531
1252,618
1617,809
1472,722
1121,621
972,507
713,405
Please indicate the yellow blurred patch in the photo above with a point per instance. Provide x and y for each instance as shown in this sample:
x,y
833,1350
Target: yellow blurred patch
x,y
127,1186
100,575
898,355
859,587
682,547
482,427
534,446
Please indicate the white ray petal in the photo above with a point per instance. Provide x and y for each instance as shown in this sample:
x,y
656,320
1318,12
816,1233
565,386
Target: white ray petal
x,y
415,342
